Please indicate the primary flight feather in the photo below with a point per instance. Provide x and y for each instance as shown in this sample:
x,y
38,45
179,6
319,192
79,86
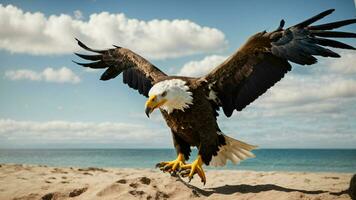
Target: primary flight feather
x,y
190,104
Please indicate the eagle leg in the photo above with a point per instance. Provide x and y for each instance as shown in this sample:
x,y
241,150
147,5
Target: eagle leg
x,y
172,166
195,168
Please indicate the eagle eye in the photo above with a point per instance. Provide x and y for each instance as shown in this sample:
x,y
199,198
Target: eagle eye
x,y
164,94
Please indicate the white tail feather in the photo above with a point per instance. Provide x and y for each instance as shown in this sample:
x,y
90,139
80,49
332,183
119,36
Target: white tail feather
x,y
234,150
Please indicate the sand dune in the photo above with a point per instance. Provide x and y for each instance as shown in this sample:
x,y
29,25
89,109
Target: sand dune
x,y
20,182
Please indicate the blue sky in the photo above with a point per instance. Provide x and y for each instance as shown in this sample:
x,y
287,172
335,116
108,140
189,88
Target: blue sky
x,y
47,101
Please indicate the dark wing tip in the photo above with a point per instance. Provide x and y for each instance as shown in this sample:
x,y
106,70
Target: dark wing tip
x,y
315,18
117,46
281,25
334,55
104,77
76,62
333,25
333,43
81,64
89,57
81,44
110,73
94,65
334,34
330,10
327,12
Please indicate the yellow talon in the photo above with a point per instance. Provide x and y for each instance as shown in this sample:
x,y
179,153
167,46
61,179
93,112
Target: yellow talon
x,y
191,169
172,166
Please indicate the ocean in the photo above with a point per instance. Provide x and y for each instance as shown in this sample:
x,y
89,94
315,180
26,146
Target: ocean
x,y
306,160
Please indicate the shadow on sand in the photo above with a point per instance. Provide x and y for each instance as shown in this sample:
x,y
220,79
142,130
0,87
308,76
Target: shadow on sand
x,y
244,188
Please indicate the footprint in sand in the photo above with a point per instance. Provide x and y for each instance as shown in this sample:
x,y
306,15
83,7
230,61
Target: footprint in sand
x,y
50,196
331,177
159,195
60,171
137,193
145,180
93,169
77,192
64,182
133,185
122,181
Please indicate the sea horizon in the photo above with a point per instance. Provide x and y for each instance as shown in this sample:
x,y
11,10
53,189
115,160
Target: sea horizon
x,y
267,159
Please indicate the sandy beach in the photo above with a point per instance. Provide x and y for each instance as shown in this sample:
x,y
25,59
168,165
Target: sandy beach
x,y
22,182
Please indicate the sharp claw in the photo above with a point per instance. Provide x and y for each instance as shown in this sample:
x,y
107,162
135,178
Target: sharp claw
x,y
161,164
191,169
179,167
184,173
171,166
201,174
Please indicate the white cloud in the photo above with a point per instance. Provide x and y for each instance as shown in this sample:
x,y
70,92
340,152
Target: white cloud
x,y
11,127
78,14
328,85
62,75
92,70
35,33
296,90
201,67
23,74
24,132
345,65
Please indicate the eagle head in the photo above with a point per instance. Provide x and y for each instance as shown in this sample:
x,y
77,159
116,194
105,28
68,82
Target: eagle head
x,y
169,95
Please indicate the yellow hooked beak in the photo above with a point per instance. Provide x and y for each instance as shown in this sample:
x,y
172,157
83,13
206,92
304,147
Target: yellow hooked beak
x,y
152,103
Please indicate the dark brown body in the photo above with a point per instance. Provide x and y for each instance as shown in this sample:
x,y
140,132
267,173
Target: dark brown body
x,y
196,125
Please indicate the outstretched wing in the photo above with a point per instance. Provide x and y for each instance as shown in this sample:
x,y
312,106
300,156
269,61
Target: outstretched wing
x,y
138,73
263,60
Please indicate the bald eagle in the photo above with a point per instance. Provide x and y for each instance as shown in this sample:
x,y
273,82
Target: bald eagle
x,y
190,104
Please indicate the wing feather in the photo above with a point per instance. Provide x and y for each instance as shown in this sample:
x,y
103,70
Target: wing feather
x,y
333,25
264,60
334,34
138,73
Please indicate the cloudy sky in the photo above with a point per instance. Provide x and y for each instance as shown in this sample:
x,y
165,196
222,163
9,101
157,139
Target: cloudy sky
x,y
47,101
